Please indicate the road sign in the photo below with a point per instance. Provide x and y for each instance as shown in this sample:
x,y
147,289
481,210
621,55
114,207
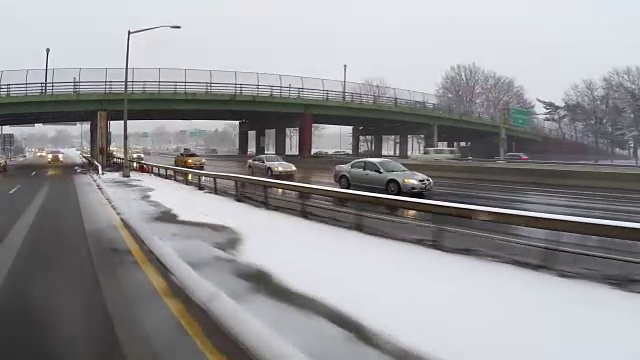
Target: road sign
x,y
197,133
519,117
145,135
6,140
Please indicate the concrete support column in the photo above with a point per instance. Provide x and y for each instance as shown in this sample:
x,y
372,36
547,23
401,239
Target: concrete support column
x,y
281,140
243,138
260,141
403,151
305,135
93,138
377,145
434,132
431,137
102,133
355,142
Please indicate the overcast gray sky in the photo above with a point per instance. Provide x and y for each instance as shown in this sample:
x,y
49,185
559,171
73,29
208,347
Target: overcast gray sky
x,y
545,44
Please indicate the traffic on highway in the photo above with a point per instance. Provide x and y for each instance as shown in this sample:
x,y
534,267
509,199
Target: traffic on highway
x,y
576,201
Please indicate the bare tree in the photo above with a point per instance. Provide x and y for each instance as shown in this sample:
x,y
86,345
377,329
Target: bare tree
x,y
469,88
625,85
589,102
500,92
461,87
372,90
556,114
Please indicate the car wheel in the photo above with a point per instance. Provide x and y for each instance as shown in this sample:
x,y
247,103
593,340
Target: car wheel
x,y
344,182
393,188
250,170
269,173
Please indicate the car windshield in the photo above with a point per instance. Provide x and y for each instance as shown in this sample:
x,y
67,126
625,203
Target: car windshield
x,y
191,155
55,152
273,158
391,166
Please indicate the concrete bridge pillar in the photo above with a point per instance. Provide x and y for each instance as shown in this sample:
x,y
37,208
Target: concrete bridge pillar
x,y
355,141
99,133
93,139
243,138
260,141
403,150
377,145
281,140
305,135
431,137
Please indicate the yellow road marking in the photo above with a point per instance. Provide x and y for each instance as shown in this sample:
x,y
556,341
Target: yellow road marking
x,y
176,306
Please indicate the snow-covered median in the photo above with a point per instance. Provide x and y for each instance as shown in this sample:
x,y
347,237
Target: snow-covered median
x,y
452,306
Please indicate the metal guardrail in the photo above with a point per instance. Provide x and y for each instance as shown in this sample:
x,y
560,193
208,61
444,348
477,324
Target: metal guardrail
x,y
158,80
569,224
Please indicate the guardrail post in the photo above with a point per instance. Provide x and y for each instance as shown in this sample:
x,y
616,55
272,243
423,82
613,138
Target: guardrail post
x,y
215,185
175,175
237,186
166,173
303,204
200,182
186,178
358,221
265,192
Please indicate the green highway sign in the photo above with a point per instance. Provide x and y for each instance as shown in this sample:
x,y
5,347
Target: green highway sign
x,y
519,117
145,135
197,133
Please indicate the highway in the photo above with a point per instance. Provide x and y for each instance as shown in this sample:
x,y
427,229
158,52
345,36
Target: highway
x,y
508,243
584,202
75,284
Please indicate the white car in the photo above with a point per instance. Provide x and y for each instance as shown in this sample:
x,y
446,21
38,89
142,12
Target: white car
x,y
272,166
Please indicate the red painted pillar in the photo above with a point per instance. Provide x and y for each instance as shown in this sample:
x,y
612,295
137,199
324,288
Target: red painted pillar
x,y
305,134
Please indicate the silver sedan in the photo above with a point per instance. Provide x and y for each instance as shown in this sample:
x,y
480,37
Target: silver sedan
x,y
382,174
272,166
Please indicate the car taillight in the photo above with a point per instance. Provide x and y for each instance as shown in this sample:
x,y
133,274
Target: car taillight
x,y
524,158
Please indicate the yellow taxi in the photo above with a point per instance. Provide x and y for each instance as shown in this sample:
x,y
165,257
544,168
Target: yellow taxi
x,y
190,160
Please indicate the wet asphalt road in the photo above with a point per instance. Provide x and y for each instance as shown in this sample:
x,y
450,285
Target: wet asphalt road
x,y
584,202
69,286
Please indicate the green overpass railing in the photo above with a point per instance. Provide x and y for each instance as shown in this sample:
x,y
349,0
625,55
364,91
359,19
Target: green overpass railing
x,y
159,80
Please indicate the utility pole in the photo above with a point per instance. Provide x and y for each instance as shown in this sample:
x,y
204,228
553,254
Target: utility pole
x,y
503,135
344,83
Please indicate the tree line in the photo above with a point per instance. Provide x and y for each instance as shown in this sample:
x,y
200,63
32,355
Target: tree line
x,y
604,111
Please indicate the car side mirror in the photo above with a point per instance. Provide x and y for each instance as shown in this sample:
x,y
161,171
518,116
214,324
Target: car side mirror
x,y
379,171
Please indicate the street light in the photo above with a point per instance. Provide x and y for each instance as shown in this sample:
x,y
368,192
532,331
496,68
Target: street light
x,y
46,70
125,111
344,83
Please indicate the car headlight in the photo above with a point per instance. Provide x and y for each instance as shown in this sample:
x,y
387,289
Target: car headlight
x,y
49,156
203,161
189,161
293,167
278,168
410,181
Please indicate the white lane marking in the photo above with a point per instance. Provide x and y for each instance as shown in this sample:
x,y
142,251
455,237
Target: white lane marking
x,y
33,173
11,244
14,189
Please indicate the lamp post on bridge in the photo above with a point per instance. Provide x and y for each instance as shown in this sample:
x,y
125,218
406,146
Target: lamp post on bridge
x,y
344,83
46,70
126,172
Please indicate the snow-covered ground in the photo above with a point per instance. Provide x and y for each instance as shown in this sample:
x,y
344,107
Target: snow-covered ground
x,y
451,306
